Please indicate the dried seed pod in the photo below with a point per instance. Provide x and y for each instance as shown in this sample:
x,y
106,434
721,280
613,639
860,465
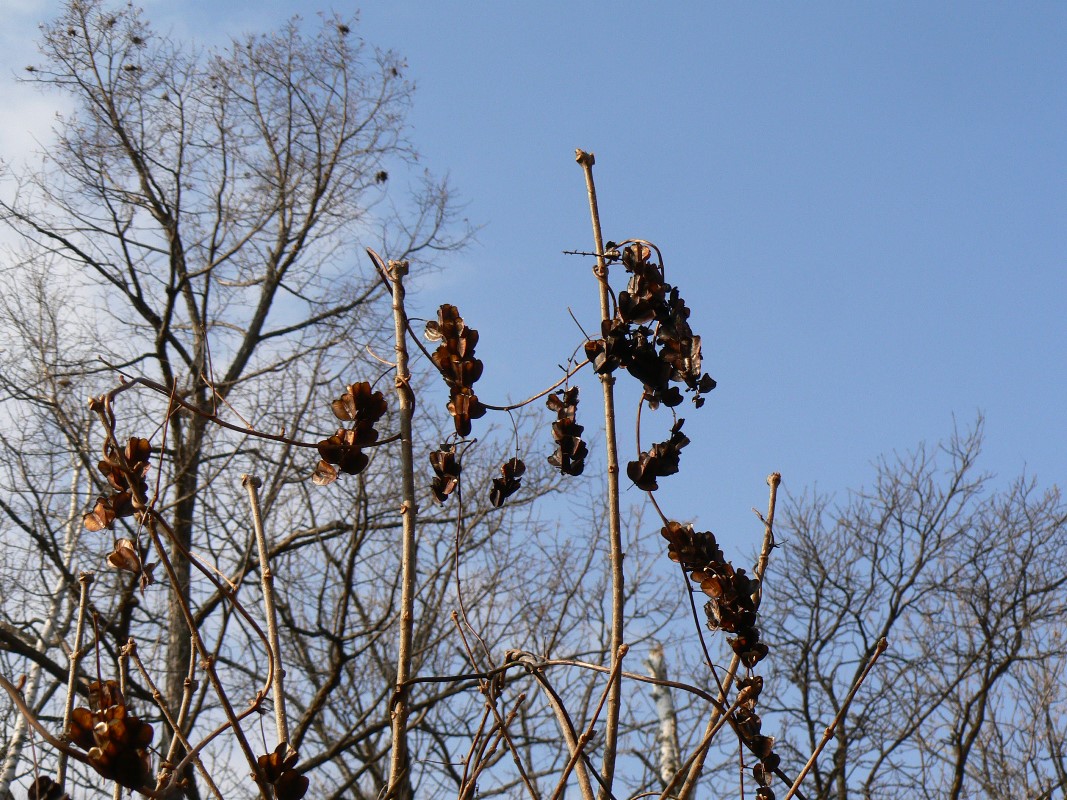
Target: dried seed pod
x,y
691,549
359,403
454,359
278,768
749,691
571,451
325,473
447,472
343,452
660,460
291,785
762,745
276,762
644,295
503,487
730,606
44,788
650,335
115,739
128,557
126,472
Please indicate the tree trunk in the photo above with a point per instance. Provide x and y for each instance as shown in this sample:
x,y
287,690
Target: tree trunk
x,y
667,736
188,457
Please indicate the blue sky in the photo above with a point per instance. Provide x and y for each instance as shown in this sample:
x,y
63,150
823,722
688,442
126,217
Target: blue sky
x,y
863,204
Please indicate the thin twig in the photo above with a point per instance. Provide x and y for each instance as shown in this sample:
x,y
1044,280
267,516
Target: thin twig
x,y
476,740
217,395
129,382
63,747
691,592
187,702
85,580
701,750
829,732
457,541
540,394
564,722
774,480
518,658
484,756
587,734
489,686
130,649
252,484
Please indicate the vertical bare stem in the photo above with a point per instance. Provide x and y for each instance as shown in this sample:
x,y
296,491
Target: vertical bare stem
x,y
187,701
400,762
252,484
774,480
85,579
607,382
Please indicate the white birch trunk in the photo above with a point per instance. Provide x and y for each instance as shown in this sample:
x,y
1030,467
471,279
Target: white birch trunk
x,y
667,736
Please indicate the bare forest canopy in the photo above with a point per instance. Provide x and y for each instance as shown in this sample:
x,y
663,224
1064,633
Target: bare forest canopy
x,y
288,549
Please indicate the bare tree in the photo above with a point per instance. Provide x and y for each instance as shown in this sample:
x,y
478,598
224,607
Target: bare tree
x,y
193,226
192,222
967,581
504,693
198,210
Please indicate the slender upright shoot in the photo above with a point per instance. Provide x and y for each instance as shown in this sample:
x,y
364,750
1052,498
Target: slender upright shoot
x,y
607,383
252,484
85,580
400,763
